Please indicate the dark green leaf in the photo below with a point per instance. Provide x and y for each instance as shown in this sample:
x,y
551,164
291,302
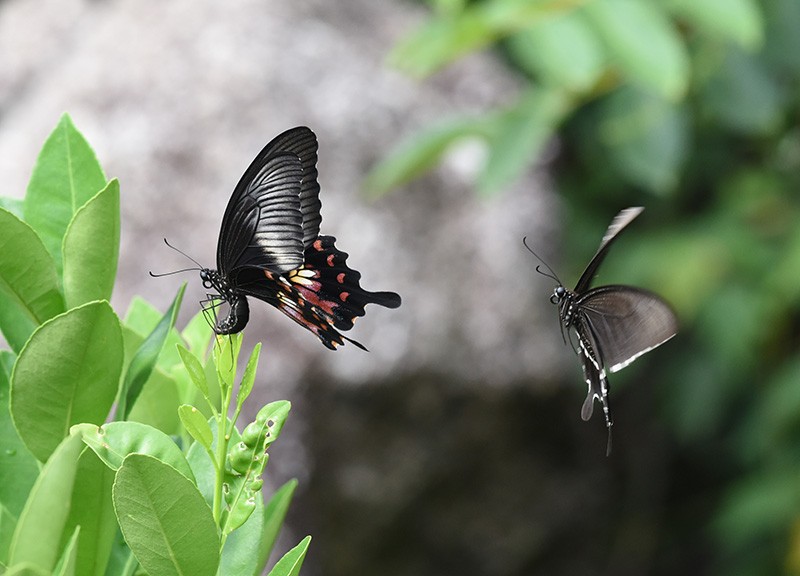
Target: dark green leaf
x,y
165,520
67,373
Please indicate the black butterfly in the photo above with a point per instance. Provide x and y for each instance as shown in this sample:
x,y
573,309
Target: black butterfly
x,y
615,324
269,247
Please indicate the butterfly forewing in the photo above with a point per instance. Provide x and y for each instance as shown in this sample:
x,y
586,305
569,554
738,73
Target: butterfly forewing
x,y
626,322
263,225
617,225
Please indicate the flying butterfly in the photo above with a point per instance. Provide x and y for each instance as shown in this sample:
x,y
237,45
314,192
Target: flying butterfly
x,y
269,248
614,324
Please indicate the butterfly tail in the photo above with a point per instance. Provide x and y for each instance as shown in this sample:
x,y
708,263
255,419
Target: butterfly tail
x,y
598,390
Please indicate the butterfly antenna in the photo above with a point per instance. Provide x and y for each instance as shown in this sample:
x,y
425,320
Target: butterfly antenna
x,y
179,251
199,267
550,274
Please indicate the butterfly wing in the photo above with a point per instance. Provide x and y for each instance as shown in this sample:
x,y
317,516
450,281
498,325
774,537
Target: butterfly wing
x,y
617,225
623,323
324,295
263,224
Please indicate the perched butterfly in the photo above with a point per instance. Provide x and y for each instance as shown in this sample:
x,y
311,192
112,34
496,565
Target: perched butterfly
x,y
269,248
614,324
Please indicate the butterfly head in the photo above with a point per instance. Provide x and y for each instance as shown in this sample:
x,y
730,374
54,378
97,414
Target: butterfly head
x,y
558,294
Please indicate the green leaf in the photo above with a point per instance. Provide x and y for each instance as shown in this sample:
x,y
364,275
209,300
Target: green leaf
x,y
563,51
274,515
91,248
291,562
8,523
743,95
643,44
646,137
141,316
419,153
740,21
226,356
165,520
249,377
195,370
29,290
239,553
93,512
67,563
196,425
26,569
114,441
522,133
40,526
157,404
198,334
13,205
144,360
18,467
67,373
201,464
65,177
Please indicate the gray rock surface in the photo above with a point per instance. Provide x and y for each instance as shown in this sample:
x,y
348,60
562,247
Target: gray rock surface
x,y
177,97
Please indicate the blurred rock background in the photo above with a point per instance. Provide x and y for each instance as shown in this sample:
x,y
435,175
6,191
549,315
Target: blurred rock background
x,y
455,446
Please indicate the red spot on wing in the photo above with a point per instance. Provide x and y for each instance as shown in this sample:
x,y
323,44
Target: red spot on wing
x,y
340,278
344,296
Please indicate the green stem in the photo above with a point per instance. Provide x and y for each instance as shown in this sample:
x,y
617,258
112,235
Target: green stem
x,y
222,450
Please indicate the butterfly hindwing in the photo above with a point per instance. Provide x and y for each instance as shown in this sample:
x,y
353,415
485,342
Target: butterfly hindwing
x,y
324,295
625,322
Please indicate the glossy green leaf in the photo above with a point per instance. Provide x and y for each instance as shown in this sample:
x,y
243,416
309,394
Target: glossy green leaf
x,y
646,137
18,467
562,51
643,44
114,441
67,564
29,285
65,177
249,377
165,520
92,511
292,561
273,416
144,360
419,153
196,425
91,248
740,21
37,537
521,134
67,373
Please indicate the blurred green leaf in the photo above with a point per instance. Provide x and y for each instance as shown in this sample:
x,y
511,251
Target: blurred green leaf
x,y
40,526
157,404
419,153
29,285
740,21
520,135
742,94
91,248
274,515
8,523
67,563
65,177
12,205
646,137
563,51
644,44
67,373
148,493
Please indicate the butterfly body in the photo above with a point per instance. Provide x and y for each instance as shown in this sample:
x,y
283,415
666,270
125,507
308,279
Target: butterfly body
x,y
270,248
614,324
